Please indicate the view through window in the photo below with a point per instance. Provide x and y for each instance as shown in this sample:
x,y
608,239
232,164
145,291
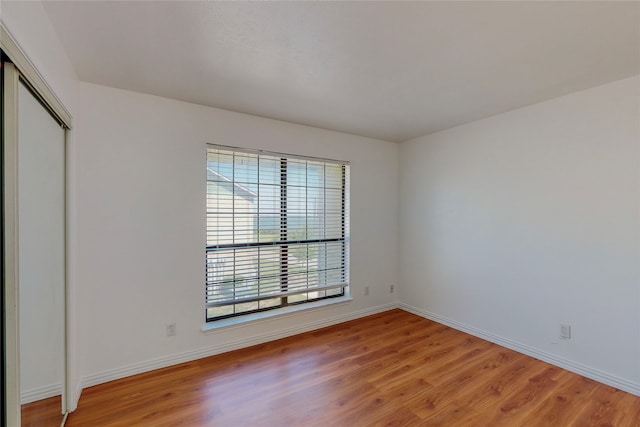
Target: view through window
x,y
277,231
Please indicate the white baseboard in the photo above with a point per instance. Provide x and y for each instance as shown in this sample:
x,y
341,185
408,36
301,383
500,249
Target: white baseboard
x,y
162,362
39,393
569,365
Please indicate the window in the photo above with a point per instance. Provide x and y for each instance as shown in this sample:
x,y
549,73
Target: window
x,y
277,231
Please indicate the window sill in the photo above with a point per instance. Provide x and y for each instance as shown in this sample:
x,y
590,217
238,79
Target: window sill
x,y
231,322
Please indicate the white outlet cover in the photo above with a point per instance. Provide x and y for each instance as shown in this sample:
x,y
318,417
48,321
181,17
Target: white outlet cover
x,y
171,329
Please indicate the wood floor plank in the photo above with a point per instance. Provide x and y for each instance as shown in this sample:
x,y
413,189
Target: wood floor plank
x,y
528,398
389,369
465,381
565,405
45,412
429,403
455,414
610,407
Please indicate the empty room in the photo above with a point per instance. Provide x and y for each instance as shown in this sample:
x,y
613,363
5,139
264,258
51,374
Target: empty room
x,y
320,213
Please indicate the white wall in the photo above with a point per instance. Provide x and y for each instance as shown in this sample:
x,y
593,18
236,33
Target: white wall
x,y
514,224
141,225
29,24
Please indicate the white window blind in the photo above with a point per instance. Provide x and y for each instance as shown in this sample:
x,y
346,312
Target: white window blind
x,y
277,231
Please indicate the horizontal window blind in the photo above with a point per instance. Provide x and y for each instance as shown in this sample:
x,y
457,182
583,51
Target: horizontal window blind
x,y
277,230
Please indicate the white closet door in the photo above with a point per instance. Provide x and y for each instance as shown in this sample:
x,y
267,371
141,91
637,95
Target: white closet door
x,y
41,239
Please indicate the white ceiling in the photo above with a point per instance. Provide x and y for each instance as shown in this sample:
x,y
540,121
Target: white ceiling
x,y
389,70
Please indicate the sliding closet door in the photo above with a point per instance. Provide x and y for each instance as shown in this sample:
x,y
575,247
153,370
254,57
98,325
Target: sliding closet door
x,y
41,255
34,130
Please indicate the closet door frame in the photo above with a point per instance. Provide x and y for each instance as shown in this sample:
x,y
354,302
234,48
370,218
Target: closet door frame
x,y
16,68
10,249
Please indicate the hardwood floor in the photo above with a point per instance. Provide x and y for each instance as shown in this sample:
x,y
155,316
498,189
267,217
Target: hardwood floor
x,y
42,413
392,368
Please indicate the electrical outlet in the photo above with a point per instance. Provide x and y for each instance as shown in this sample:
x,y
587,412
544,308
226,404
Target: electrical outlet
x,y
565,332
171,329
366,290
392,288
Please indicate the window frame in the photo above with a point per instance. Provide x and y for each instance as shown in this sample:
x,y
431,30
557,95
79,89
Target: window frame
x,y
284,241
